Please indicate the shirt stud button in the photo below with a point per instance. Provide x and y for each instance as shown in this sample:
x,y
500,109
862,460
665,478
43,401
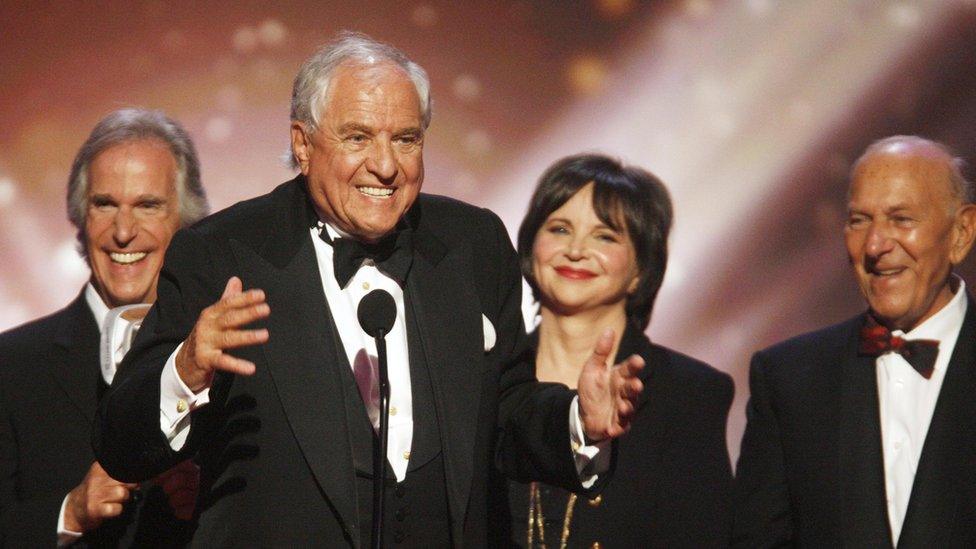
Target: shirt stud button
x,y
181,406
393,410
406,455
366,285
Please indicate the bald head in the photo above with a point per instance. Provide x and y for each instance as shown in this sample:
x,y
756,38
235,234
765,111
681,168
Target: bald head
x,y
910,222
917,157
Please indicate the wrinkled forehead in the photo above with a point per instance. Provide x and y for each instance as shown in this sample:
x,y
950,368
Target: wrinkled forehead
x,y
379,79
913,174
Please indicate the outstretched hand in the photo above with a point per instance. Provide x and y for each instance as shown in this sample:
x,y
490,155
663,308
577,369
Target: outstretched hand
x,y
608,394
218,329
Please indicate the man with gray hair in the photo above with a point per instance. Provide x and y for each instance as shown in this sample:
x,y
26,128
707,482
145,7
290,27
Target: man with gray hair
x,y
261,369
134,182
863,434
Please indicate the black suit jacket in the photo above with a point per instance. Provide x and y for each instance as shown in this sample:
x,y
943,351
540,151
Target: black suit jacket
x,y
49,381
274,447
811,471
672,482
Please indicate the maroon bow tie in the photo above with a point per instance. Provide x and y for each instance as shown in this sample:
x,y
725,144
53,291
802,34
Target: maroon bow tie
x,y
877,340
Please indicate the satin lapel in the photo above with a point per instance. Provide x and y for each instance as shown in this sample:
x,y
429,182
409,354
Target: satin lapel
x,y
948,453
860,476
301,360
450,331
77,373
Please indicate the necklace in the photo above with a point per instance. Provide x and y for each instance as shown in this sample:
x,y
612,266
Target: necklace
x,y
537,520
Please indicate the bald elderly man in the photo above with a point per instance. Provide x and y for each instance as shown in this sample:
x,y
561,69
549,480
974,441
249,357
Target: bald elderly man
x,y
863,434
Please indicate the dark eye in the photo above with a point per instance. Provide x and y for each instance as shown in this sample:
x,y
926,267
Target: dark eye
x,y
558,229
356,138
855,221
607,237
102,204
150,205
408,139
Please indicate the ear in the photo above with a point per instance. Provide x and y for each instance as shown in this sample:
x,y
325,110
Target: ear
x,y
301,145
634,282
963,233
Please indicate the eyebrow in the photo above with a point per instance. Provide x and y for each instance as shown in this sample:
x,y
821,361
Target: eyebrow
x,y
600,225
354,127
358,127
141,198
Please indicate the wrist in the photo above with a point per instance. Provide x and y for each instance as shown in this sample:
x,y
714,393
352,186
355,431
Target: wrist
x,y
189,374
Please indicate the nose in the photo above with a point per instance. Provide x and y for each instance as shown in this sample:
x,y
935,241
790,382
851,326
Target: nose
x,y
878,240
381,161
125,227
577,248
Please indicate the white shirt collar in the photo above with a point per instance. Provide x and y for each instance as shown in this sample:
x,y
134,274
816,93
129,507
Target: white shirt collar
x,y
97,306
332,230
946,321
944,324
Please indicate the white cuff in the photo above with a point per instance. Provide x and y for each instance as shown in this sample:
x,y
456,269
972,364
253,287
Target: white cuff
x,y
176,401
66,537
591,460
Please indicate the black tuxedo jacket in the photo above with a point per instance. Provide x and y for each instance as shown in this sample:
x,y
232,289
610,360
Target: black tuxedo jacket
x,y
49,382
672,481
274,447
811,471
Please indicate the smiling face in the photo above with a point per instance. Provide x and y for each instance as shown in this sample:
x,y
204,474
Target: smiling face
x,y
364,163
579,263
906,229
132,214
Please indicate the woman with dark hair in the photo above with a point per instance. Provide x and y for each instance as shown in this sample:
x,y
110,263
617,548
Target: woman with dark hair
x,y
593,247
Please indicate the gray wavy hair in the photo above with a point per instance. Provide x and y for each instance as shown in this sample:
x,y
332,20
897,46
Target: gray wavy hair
x,y
132,124
313,79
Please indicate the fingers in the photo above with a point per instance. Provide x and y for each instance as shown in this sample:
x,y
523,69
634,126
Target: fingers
x,y
233,286
109,510
243,313
601,350
234,365
631,367
219,329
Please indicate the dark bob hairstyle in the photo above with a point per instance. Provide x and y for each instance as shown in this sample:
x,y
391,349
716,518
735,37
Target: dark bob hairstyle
x,y
621,193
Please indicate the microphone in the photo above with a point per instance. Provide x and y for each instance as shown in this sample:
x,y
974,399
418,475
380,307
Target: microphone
x,y
377,313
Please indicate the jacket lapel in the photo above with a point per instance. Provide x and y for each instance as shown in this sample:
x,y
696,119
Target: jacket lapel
x,y
864,513
301,351
946,465
77,374
443,300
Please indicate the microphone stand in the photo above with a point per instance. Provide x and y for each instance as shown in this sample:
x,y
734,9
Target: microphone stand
x,y
379,458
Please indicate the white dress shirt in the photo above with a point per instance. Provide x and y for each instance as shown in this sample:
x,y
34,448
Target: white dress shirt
x,y
907,401
100,311
177,401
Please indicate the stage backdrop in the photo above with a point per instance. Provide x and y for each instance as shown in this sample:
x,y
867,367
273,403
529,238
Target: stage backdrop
x,y
751,111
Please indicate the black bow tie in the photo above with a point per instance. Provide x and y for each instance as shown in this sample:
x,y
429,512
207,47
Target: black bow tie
x,y
877,340
392,255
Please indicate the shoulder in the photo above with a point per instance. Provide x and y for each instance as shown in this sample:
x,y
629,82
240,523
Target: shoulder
x,y
693,374
813,345
249,217
450,218
30,346
26,337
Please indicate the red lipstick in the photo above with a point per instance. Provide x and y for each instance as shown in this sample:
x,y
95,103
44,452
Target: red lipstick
x,y
575,274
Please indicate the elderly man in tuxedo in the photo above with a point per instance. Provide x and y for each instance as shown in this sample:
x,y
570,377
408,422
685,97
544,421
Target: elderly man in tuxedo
x,y
134,182
863,434
253,359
